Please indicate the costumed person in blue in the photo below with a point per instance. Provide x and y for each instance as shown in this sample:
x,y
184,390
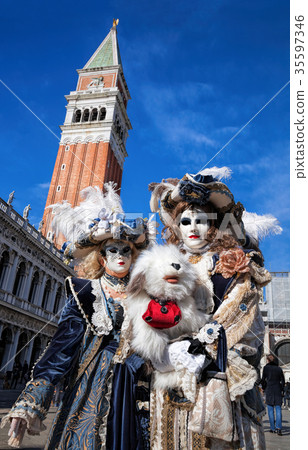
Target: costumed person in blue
x,y
220,240
105,402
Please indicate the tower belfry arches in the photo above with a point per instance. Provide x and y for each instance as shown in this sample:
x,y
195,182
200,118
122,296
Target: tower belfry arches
x,y
92,148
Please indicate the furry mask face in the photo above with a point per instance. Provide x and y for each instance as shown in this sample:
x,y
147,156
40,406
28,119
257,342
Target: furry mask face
x,y
164,273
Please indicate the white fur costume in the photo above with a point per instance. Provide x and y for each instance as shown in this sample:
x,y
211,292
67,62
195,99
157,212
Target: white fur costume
x,y
148,281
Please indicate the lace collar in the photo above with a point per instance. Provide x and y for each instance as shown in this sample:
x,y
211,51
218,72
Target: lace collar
x,y
101,318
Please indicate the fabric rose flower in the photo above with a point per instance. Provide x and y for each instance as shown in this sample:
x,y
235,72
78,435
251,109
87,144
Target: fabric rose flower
x,y
231,262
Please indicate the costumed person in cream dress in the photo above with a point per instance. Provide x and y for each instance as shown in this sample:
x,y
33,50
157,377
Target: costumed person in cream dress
x,y
220,240
105,402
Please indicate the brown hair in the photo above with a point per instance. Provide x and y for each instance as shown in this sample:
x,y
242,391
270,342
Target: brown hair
x,y
219,241
272,359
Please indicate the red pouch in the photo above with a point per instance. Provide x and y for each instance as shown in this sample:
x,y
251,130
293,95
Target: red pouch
x,y
162,316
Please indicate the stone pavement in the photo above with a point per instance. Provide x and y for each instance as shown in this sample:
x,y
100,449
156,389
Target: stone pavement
x,y
7,398
273,441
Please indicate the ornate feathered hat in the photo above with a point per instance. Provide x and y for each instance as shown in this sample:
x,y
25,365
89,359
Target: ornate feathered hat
x,y
99,217
206,187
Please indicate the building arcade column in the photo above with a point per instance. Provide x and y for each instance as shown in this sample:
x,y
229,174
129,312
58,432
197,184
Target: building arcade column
x,y
28,283
39,297
12,274
12,353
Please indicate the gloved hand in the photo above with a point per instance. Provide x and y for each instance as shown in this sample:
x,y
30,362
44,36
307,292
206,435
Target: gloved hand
x,y
17,432
176,357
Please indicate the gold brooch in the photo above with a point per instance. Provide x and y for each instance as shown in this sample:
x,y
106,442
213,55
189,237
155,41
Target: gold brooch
x,y
194,259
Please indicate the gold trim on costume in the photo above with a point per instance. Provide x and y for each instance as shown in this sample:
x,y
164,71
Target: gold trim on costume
x,y
194,259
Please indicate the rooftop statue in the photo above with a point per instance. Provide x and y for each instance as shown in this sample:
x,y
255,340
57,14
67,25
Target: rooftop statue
x,y
11,198
26,212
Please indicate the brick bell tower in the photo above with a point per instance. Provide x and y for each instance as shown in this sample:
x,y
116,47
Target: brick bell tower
x,y
92,147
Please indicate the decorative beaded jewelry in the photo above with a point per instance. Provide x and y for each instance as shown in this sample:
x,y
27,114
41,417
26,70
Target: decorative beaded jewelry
x,y
194,259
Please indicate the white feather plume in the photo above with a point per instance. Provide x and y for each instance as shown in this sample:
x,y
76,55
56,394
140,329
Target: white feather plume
x,y
95,201
72,222
258,227
217,172
65,220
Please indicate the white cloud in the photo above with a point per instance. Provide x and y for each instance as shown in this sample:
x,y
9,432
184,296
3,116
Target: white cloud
x,y
43,185
178,113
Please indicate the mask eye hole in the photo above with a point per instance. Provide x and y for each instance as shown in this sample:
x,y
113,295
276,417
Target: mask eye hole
x,y
185,221
126,250
113,250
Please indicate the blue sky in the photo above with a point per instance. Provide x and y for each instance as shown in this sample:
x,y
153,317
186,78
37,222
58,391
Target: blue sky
x,y
197,72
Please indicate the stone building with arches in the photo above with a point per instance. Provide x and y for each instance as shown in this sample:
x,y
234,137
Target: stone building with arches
x,y
32,275
276,314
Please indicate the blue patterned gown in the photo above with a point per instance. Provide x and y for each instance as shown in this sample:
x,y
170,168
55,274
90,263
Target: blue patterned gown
x,y
105,404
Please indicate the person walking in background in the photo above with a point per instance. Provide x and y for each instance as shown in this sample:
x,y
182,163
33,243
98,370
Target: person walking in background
x,y
272,383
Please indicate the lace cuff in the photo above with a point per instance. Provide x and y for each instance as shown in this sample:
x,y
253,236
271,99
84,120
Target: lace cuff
x,y
188,383
32,405
34,424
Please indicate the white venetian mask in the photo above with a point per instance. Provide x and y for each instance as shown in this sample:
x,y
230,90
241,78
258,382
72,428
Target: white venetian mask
x,y
194,225
118,257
